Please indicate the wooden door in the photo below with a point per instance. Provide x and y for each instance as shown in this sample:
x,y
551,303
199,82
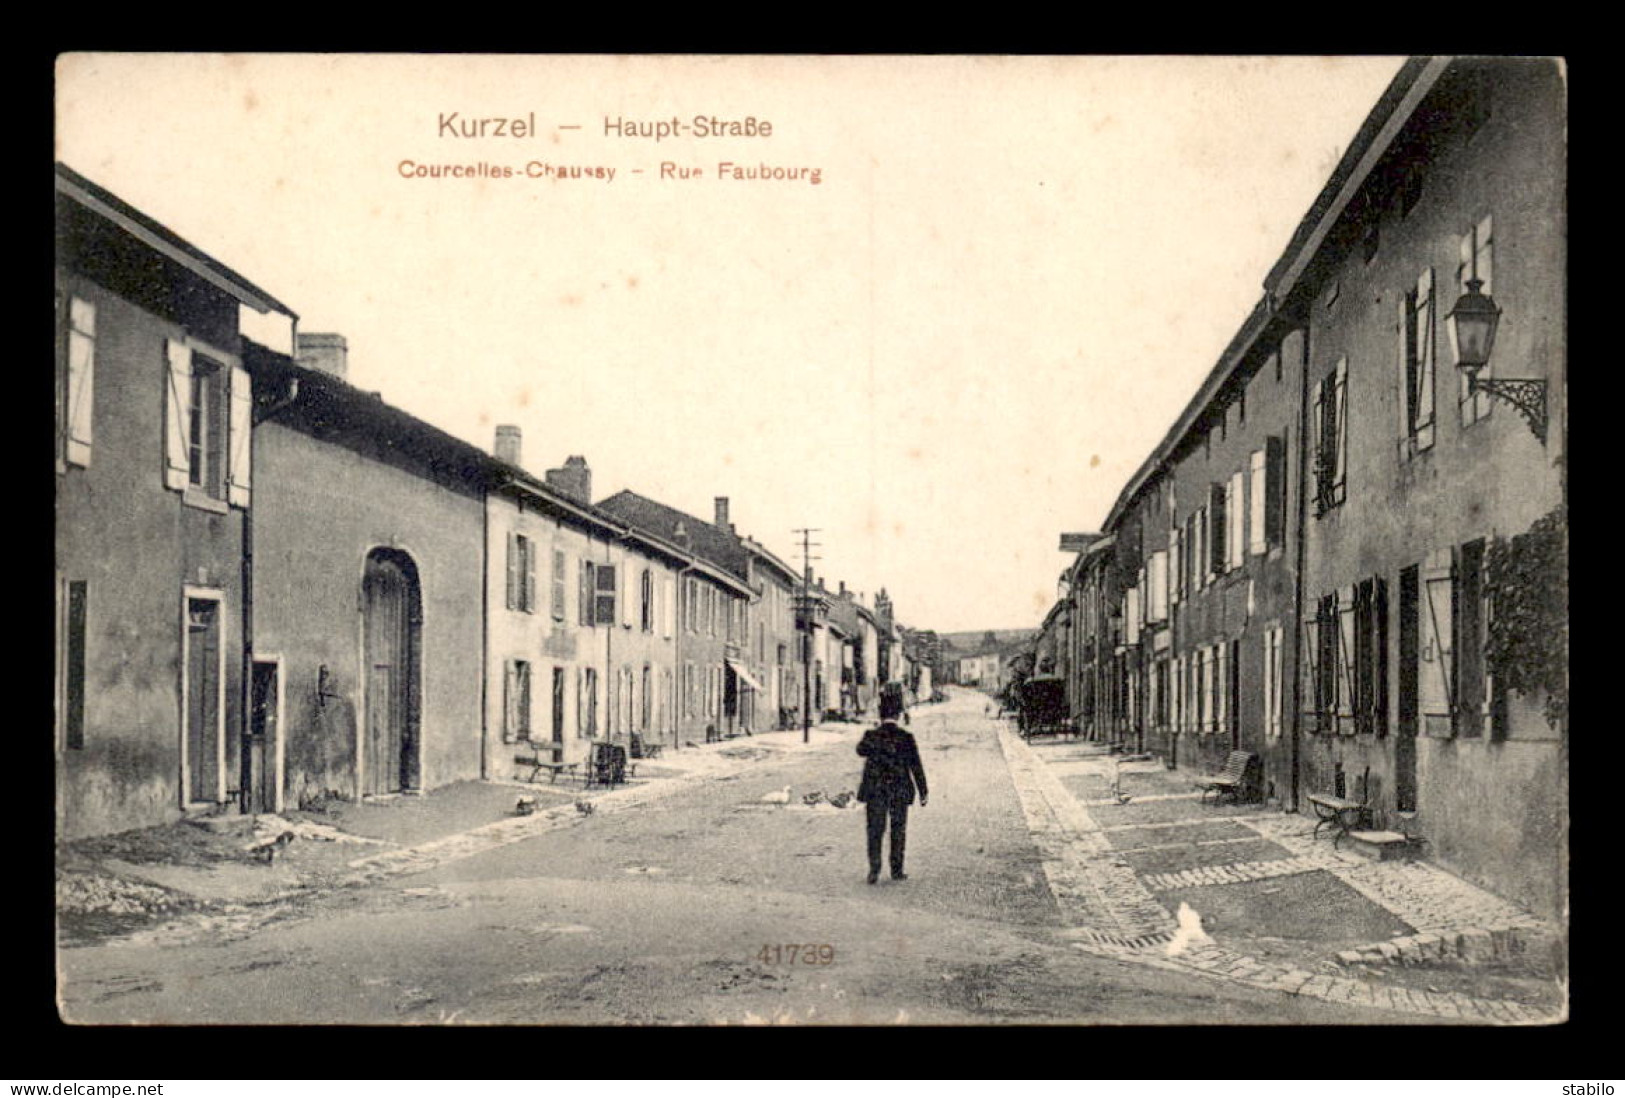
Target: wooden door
x,y
265,734
203,731
388,621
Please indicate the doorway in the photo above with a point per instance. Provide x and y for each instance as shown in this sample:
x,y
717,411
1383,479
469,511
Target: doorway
x,y
203,699
391,625
265,737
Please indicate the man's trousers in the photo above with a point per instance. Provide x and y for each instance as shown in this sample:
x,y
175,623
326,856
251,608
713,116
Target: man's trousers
x,y
880,810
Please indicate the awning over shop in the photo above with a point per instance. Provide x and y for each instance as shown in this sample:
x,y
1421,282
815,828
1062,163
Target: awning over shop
x,y
739,670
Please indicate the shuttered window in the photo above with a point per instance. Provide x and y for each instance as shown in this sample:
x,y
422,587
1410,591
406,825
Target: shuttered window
x,y
1345,661
607,579
516,701
1371,657
1329,420
77,407
1477,252
646,601
1158,610
1217,528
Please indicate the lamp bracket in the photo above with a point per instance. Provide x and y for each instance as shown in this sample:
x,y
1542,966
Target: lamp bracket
x,y
1527,395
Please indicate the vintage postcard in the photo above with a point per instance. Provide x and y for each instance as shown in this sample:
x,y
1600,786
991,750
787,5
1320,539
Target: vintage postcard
x,y
715,540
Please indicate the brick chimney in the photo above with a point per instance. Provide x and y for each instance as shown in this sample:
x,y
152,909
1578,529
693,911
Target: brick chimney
x,y
574,479
324,351
507,444
721,520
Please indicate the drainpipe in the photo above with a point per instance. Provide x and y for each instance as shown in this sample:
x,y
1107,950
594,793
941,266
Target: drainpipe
x,y
1295,752
677,661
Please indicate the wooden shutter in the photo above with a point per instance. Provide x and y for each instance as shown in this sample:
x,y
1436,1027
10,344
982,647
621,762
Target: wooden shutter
x,y
1379,656
528,562
1317,448
178,417
1233,691
585,590
623,593
81,380
240,438
1340,459
510,702
1257,502
557,587
1216,529
1275,490
1406,373
1309,671
512,602
1175,564
1436,678
1426,358
1470,639
1236,508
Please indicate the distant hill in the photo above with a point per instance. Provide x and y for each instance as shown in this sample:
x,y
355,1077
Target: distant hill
x,y
974,640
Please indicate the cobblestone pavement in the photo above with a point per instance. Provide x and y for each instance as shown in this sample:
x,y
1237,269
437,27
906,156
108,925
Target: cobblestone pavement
x,y
1112,910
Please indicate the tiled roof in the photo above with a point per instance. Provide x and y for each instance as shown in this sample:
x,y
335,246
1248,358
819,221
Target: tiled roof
x,y
704,540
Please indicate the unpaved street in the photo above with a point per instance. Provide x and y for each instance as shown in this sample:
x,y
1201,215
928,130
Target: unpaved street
x,y
659,914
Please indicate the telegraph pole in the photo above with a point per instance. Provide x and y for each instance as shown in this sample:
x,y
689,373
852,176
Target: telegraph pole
x,y
805,620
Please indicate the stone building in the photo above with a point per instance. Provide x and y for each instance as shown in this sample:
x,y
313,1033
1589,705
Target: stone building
x,y
154,494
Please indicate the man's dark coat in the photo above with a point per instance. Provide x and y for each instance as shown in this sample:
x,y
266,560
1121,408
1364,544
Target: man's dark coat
x,y
892,770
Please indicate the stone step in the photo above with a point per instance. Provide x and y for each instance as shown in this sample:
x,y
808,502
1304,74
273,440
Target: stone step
x,y
1382,846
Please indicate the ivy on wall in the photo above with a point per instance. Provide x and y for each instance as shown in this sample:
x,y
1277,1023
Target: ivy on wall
x,y
1527,647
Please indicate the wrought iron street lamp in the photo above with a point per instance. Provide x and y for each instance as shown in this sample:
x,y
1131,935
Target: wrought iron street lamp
x,y
1472,323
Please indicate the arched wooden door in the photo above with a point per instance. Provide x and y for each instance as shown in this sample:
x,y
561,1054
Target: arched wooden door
x,y
391,632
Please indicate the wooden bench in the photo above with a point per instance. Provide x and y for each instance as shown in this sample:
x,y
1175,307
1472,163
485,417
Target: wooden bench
x,y
1232,780
1340,813
538,762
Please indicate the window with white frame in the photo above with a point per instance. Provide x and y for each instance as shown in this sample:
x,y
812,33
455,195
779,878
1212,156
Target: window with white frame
x,y
516,701
207,425
1477,260
521,573
1418,364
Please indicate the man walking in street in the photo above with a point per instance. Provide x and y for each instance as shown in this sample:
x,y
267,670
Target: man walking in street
x,y
891,772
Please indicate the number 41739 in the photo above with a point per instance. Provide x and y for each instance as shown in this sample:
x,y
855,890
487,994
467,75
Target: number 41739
x,y
797,954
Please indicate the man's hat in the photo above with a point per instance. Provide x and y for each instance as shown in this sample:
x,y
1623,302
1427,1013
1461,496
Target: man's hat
x,y
891,700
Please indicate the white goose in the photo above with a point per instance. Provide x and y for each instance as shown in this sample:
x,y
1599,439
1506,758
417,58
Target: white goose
x,y
780,797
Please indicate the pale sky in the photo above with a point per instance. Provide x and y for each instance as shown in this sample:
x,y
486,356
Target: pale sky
x,y
961,342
